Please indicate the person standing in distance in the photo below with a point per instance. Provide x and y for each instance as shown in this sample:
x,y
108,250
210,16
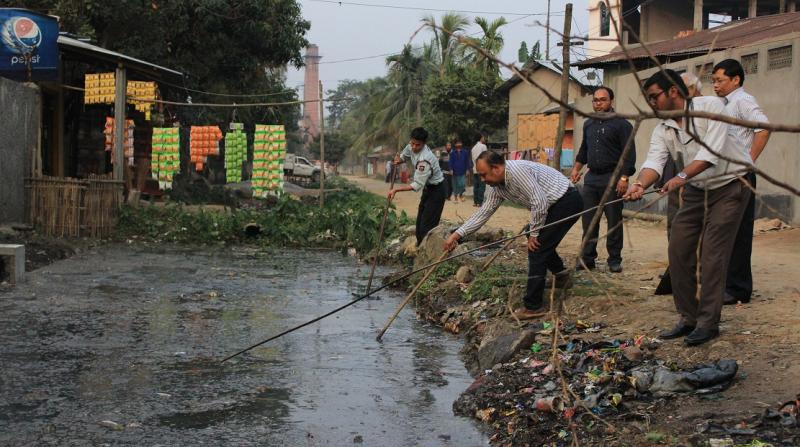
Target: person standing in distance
x,y
428,178
728,79
478,187
601,149
460,163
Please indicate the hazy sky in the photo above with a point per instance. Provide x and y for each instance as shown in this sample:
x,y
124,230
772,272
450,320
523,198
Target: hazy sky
x,y
349,31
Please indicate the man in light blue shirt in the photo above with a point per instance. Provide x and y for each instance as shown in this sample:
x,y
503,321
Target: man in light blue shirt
x,y
428,177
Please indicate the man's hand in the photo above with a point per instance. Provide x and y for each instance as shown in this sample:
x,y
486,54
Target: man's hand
x,y
622,187
673,184
533,243
392,192
397,160
451,241
635,192
575,175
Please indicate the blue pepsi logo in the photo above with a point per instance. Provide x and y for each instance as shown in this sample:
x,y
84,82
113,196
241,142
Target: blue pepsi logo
x,y
21,35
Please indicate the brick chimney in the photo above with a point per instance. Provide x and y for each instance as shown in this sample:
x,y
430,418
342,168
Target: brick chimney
x,y
311,90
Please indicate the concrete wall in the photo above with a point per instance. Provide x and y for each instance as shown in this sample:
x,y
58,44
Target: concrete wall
x,y
19,138
663,20
526,99
778,93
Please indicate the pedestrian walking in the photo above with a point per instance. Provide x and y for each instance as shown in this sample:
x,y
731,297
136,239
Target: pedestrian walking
x,y
460,163
427,177
728,79
550,197
601,149
444,165
703,231
478,187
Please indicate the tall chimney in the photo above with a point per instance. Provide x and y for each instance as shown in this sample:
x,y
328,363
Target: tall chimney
x,y
311,90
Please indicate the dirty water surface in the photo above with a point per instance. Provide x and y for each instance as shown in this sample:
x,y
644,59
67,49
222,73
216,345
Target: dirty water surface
x,y
121,346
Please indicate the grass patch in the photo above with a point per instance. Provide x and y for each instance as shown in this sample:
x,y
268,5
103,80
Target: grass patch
x,y
350,218
497,275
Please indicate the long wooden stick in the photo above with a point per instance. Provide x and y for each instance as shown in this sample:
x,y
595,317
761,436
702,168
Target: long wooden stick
x,y
410,296
497,253
380,232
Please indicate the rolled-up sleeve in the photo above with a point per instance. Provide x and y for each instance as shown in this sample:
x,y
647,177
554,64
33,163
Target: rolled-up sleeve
x,y
491,202
657,153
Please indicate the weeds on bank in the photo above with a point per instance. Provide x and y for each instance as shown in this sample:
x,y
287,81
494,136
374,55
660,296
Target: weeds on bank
x,y
350,218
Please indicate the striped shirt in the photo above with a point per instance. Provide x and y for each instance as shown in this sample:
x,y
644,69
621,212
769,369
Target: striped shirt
x,y
426,167
740,104
532,185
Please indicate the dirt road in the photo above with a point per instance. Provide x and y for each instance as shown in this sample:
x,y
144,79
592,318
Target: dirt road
x,y
762,335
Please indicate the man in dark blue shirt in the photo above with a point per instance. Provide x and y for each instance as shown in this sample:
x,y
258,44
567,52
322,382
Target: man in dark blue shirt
x,y
460,163
601,149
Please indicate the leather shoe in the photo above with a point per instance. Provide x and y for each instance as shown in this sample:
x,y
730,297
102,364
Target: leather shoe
x,y
527,314
678,331
729,300
615,267
700,336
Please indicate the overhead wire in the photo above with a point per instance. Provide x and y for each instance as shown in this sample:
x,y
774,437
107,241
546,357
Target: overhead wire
x,y
415,8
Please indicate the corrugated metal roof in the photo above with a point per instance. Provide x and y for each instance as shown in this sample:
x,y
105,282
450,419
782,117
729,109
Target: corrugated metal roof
x,y
67,43
730,35
578,76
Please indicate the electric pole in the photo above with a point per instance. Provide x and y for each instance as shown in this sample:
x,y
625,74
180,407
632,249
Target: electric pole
x,y
562,116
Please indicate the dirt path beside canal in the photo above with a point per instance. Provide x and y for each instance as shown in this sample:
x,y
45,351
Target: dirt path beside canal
x,y
762,335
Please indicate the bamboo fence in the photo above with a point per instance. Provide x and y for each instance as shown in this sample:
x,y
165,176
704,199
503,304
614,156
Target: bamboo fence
x,y
68,207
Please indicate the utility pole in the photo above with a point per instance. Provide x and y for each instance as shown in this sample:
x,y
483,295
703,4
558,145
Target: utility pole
x,y
321,149
547,31
562,115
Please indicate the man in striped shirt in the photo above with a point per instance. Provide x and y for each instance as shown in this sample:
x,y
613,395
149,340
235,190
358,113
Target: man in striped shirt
x,y
550,197
728,78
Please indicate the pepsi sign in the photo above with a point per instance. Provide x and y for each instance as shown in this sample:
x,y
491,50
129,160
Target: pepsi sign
x,y
28,40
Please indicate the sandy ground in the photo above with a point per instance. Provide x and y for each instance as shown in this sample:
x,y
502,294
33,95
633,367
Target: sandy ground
x,y
762,335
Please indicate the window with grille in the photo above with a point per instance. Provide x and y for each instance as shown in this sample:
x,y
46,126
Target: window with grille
x,y
704,72
779,58
605,20
750,63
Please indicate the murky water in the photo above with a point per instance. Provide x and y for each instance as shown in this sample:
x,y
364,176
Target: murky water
x,y
135,337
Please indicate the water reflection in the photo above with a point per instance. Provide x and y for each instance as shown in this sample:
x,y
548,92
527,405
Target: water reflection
x,y
137,336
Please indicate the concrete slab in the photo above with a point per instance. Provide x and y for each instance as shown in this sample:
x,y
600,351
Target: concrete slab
x,y
14,257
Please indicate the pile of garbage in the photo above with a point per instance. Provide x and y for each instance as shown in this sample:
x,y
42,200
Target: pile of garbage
x,y
542,399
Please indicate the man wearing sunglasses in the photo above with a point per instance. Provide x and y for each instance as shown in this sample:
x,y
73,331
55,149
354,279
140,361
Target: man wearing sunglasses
x,y
713,203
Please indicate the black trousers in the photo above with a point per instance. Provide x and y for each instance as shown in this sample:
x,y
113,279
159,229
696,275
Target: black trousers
x,y
592,193
546,257
448,185
430,209
739,283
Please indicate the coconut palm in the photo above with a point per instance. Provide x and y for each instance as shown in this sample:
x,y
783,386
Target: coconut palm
x,y
491,42
448,52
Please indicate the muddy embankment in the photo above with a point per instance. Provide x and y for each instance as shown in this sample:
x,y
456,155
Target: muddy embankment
x,y
572,376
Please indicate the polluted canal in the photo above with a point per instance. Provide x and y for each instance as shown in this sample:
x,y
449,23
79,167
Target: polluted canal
x,y
121,346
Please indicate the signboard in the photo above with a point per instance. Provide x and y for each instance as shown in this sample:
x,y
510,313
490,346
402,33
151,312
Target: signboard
x,y
28,45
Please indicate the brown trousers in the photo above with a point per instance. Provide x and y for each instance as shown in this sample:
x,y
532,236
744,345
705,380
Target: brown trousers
x,y
711,237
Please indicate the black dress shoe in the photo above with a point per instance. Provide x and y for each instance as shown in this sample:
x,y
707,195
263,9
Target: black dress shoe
x,y
678,331
700,336
615,267
730,300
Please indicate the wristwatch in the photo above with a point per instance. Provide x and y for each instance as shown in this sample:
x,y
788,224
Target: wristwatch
x,y
681,175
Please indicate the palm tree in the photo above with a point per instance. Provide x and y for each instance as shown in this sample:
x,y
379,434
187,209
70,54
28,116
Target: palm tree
x,y
491,42
449,53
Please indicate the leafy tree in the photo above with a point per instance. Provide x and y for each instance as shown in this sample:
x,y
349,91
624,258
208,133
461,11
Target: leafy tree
x,y
536,52
522,53
464,104
446,51
337,143
492,42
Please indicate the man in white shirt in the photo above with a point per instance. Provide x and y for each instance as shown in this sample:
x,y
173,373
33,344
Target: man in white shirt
x,y
728,79
713,203
478,187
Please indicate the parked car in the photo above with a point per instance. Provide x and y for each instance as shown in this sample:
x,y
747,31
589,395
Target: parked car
x,y
297,166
